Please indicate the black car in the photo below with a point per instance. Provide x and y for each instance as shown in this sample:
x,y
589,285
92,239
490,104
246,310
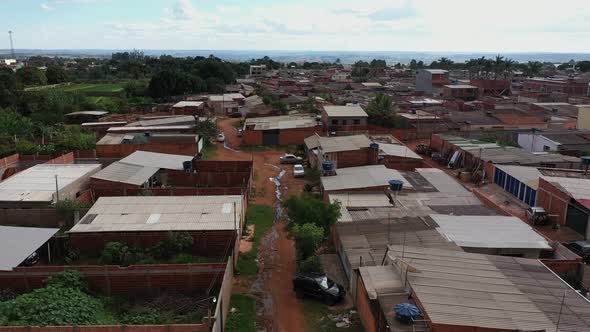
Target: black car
x,y
319,286
580,248
235,115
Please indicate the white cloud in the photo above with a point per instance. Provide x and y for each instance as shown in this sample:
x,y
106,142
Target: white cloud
x,y
412,25
46,7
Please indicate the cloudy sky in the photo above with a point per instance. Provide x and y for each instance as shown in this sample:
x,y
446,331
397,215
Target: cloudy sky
x,y
343,25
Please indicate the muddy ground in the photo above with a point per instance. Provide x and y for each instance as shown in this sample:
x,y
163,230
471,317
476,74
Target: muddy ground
x,y
278,310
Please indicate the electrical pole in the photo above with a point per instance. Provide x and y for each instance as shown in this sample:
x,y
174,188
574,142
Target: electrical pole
x,y
11,44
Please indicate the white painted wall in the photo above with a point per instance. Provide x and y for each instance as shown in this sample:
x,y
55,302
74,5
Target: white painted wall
x,y
536,143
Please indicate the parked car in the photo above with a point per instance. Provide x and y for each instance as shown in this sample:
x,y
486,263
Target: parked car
x,y
537,215
32,259
318,286
235,115
220,138
288,158
580,248
240,132
298,171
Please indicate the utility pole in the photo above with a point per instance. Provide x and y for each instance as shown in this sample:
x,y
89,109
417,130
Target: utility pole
x,y
11,44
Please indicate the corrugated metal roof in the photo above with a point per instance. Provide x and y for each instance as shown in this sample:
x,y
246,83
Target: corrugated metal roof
x,y
282,122
398,151
362,177
527,175
343,143
345,111
17,243
577,188
126,173
188,103
159,160
139,166
37,184
495,292
188,120
174,213
489,232
129,128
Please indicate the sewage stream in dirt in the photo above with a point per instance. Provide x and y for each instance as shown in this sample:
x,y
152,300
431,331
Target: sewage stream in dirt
x,y
267,253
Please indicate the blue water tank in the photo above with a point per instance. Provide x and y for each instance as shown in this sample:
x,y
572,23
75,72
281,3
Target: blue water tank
x,y
374,146
187,165
585,160
396,185
327,165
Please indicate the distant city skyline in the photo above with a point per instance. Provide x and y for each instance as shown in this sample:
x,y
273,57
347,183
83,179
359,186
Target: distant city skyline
x,y
504,26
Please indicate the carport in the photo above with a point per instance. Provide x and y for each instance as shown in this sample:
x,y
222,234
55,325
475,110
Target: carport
x,y
18,243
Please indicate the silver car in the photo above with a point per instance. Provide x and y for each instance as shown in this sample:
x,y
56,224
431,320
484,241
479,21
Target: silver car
x,y
298,171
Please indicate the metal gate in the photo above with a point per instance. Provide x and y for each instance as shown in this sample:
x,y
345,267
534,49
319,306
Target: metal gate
x,y
270,137
577,219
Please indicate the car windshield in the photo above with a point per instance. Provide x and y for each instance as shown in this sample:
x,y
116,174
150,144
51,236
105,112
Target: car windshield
x,y
324,282
298,168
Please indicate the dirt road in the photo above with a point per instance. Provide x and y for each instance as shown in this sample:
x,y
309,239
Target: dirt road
x,y
279,309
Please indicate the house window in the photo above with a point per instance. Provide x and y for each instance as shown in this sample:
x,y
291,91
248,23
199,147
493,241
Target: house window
x,y
334,122
357,122
344,122
546,148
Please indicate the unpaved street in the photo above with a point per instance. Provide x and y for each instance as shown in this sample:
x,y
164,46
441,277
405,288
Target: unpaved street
x,y
278,308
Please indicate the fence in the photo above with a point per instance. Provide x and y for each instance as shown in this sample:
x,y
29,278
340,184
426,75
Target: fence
x,y
117,280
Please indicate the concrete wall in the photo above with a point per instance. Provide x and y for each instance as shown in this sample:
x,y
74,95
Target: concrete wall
x,y
123,150
583,117
224,298
423,81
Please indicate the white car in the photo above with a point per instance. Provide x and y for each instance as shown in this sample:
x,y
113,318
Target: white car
x,y
220,138
298,171
288,158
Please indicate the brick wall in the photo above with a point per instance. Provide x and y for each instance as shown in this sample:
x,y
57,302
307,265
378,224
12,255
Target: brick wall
x,y
297,135
125,281
222,165
353,158
108,188
110,328
209,179
34,217
67,158
206,243
553,200
363,306
401,163
252,137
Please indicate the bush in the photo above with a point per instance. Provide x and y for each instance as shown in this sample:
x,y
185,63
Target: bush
x,y
308,238
117,253
67,206
26,147
175,243
307,209
311,264
68,279
182,259
144,316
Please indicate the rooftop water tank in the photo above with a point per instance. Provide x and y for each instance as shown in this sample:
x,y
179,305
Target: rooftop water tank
x,y
406,313
327,165
396,185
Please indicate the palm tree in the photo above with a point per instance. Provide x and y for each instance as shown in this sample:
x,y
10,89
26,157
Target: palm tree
x,y
498,66
382,111
509,66
445,63
533,68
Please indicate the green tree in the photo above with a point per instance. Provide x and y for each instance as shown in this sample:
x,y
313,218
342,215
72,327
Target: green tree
x,y
29,76
206,128
72,138
13,124
307,209
309,105
279,106
533,68
56,74
308,238
383,112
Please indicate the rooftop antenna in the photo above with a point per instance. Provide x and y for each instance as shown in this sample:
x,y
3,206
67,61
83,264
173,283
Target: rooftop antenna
x,y
11,44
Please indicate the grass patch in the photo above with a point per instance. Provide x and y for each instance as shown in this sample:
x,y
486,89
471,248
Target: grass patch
x,y
243,320
209,150
88,87
262,216
239,124
317,318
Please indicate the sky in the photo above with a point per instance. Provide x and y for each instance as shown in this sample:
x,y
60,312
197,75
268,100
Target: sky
x,y
500,26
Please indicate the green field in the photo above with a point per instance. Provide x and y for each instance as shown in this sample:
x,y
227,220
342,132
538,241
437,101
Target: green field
x,y
86,87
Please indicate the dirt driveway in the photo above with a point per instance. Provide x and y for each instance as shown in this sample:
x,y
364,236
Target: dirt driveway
x,y
281,310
